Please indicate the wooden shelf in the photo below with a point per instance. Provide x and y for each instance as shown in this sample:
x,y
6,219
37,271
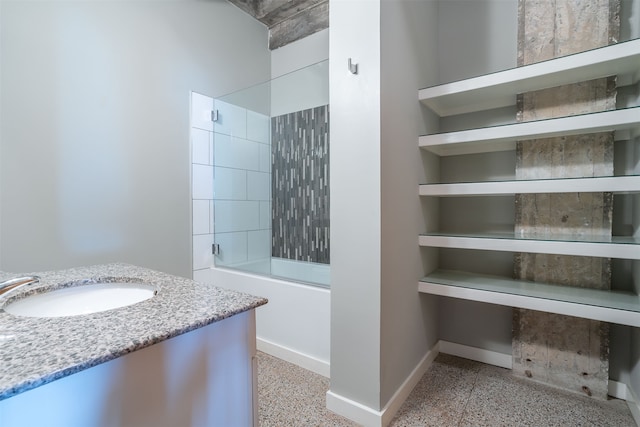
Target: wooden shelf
x,y
608,306
504,137
500,89
616,247
613,184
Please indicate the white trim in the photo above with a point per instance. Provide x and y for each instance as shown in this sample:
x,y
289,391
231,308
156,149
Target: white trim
x,y
368,417
305,361
539,303
619,247
504,137
618,390
614,184
353,410
478,354
633,403
499,89
403,392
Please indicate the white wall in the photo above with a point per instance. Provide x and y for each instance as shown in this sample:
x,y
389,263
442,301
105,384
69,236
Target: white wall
x,y
355,202
299,54
382,328
304,89
95,125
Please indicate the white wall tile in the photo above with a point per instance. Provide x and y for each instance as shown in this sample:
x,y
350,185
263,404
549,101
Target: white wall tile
x,y
258,186
265,215
211,216
232,120
258,127
211,134
233,248
259,244
265,158
229,184
202,186
236,153
201,107
236,215
201,217
202,256
200,144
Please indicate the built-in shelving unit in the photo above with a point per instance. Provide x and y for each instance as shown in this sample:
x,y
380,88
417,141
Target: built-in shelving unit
x,y
504,137
618,247
498,90
609,306
613,184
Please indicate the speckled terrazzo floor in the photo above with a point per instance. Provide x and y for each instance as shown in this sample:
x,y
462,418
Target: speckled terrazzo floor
x,y
454,392
291,396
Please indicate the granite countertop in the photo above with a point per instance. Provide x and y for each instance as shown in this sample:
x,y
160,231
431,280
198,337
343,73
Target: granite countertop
x,y
36,351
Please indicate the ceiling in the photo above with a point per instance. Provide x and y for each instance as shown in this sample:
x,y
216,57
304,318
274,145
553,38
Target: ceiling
x,y
287,20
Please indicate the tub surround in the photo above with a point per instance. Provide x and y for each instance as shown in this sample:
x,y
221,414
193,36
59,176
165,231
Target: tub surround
x,y
37,351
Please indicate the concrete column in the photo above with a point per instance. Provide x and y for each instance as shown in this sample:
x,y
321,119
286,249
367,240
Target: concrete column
x,y
563,351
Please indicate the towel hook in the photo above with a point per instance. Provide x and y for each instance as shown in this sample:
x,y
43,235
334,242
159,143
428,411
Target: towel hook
x,y
353,68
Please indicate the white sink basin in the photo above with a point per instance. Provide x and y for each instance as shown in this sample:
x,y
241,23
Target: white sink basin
x,y
83,299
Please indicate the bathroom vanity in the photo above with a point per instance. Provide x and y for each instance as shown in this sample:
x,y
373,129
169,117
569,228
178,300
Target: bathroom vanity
x,y
185,356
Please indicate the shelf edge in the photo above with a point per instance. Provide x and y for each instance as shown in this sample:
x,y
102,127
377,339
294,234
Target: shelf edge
x,y
533,303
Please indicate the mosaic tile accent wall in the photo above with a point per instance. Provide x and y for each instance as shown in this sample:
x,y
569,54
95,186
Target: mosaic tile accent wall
x,y
300,185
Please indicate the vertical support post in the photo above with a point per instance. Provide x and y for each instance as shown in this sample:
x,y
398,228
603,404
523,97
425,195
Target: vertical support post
x,y
564,351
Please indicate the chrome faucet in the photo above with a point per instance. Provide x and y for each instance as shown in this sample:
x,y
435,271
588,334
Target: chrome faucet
x,y
17,282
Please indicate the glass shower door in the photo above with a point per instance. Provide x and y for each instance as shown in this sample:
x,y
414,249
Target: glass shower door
x,y
271,177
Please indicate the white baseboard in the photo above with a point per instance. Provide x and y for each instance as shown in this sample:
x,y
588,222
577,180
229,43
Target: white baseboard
x,y
478,354
618,390
633,403
354,411
398,398
305,361
368,417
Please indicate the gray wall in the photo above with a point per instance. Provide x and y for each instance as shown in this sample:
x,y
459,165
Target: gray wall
x,y
95,125
1,44
474,38
408,319
380,326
